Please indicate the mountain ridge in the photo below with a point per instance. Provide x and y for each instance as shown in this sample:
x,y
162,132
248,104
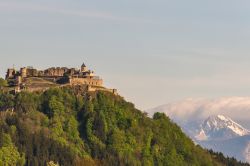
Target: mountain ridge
x,y
220,127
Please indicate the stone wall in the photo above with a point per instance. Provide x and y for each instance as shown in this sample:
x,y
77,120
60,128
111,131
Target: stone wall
x,y
58,72
31,72
51,72
23,72
86,81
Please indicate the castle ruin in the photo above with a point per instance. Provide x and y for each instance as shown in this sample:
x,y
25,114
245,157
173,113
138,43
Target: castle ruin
x,y
57,75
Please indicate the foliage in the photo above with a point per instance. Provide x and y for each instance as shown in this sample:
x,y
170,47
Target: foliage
x,y
6,101
226,160
68,127
9,154
3,82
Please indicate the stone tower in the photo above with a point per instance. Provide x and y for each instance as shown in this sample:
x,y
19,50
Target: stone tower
x,y
24,72
84,68
10,73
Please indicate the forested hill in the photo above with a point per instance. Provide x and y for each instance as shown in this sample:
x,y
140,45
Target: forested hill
x,y
70,127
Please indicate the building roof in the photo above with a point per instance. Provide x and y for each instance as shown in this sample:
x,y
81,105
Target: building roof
x,y
83,65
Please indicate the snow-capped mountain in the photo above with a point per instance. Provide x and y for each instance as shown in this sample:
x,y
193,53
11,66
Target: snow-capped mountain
x,y
221,134
220,127
207,122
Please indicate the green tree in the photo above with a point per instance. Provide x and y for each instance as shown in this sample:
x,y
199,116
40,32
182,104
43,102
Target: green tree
x,y
6,101
3,83
9,154
56,107
27,102
57,132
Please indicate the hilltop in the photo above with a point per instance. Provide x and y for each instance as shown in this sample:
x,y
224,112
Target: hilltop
x,y
62,116
72,126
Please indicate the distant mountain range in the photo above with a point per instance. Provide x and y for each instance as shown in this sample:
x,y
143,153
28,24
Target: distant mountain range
x,y
217,132
222,134
220,128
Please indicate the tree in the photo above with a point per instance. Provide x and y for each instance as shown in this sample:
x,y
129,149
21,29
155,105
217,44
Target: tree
x,y
9,154
6,101
3,83
56,106
27,102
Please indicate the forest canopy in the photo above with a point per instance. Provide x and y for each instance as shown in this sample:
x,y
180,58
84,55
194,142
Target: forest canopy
x,y
64,126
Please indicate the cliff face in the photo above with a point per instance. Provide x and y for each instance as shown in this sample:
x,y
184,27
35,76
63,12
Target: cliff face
x,y
71,126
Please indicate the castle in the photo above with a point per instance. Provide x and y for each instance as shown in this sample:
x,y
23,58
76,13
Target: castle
x,y
56,75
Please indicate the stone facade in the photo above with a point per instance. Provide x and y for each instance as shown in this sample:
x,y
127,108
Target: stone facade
x,y
95,81
10,73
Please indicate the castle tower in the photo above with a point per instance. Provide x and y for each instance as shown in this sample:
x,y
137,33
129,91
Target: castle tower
x,y
24,72
10,73
84,68
18,80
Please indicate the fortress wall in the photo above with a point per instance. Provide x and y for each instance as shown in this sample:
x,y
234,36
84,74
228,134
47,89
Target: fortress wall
x,y
114,91
31,73
87,81
54,72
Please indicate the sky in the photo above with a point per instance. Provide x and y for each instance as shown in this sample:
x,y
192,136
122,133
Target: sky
x,y
153,51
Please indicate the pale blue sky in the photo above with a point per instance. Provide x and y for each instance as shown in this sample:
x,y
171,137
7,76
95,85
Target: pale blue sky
x,y
152,51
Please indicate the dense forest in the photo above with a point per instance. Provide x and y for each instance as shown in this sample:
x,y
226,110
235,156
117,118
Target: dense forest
x,y
71,127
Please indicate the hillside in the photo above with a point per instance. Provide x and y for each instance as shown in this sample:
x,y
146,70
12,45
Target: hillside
x,y
70,126
209,123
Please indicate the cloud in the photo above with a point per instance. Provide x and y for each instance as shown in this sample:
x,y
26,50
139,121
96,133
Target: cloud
x,y
151,89
238,108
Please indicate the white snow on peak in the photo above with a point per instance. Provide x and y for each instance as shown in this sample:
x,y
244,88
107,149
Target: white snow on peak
x,y
237,128
222,117
220,127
